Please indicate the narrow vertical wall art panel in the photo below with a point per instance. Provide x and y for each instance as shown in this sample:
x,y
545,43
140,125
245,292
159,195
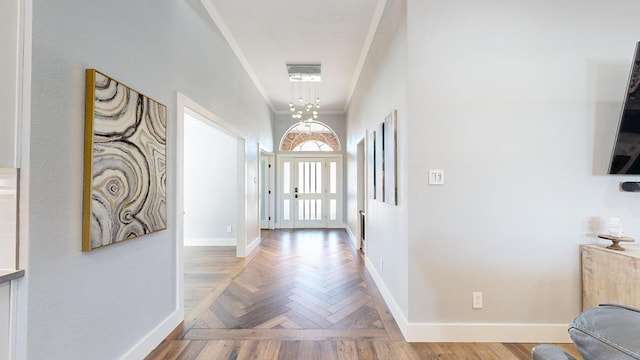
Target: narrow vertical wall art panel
x,y
390,160
124,165
380,165
371,164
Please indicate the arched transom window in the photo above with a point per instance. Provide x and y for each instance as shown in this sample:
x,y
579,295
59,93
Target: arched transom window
x,y
310,136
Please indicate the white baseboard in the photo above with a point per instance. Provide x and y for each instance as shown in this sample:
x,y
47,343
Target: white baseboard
x,y
210,241
352,236
254,244
155,337
468,332
487,332
397,313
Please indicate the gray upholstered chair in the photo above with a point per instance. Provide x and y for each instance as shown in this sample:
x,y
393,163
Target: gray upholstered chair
x,y
606,332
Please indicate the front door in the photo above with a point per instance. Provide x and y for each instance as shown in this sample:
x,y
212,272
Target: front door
x,y
310,192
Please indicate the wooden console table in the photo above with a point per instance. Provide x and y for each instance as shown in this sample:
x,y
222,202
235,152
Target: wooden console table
x,y
610,276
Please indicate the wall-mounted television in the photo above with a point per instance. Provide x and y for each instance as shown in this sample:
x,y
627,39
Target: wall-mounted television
x,y
626,151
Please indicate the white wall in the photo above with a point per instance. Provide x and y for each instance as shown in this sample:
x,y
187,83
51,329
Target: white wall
x,y
381,89
210,184
8,217
9,60
518,101
99,305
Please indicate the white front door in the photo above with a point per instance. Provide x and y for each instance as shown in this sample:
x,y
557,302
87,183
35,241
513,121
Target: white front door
x,y
310,191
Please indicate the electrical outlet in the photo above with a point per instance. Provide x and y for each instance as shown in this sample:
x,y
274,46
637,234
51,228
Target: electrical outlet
x,y
477,300
228,228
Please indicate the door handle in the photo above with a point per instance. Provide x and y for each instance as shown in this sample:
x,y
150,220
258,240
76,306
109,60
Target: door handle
x,y
296,196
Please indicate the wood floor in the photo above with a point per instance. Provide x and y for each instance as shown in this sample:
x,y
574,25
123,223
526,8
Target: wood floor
x,y
304,294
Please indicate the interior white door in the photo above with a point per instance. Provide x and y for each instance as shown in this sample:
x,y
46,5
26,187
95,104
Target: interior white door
x,y
266,194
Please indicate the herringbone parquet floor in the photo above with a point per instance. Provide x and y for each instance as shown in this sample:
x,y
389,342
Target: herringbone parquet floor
x,y
304,294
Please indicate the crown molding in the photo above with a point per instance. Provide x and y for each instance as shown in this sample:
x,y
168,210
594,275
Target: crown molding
x,y
373,28
226,33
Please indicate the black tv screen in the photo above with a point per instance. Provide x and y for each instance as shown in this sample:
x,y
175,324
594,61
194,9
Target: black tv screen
x,y
626,152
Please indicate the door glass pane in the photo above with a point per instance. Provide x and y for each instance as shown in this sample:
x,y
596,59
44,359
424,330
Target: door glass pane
x,y
312,209
307,210
332,177
319,177
301,177
301,209
318,209
286,177
312,179
286,209
307,178
332,209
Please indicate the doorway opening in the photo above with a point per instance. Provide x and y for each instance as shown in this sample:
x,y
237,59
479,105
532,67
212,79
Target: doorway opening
x,y
210,183
191,117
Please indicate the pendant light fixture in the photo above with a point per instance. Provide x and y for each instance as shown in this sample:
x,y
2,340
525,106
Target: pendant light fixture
x,y
304,82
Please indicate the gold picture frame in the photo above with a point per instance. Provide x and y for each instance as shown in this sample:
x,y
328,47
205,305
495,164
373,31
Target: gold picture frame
x,y
124,163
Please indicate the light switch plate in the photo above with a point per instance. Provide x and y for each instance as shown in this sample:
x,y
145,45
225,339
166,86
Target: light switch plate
x,y
436,177
477,300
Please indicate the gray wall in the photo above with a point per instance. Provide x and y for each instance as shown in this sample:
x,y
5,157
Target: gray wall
x,y
381,89
518,101
210,182
9,60
99,305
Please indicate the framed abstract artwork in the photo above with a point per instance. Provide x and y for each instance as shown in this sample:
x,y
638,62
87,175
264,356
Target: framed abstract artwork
x,y
125,163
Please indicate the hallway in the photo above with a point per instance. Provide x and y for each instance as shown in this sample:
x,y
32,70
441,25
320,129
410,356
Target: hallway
x,y
304,294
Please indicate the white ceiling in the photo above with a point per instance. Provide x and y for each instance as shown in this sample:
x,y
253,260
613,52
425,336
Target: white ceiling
x,y
268,34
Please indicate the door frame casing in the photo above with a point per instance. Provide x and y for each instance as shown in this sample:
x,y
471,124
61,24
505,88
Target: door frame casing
x,y
271,184
185,104
19,291
361,191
